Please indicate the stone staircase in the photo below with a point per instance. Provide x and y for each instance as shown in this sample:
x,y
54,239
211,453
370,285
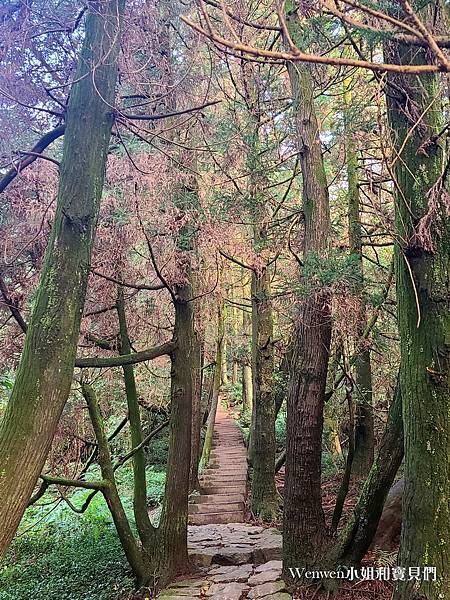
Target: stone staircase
x,y
224,482
233,560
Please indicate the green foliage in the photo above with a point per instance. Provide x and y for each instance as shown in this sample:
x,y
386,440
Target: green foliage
x,y
67,557
158,450
234,394
60,555
6,385
243,422
337,267
156,481
280,429
331,465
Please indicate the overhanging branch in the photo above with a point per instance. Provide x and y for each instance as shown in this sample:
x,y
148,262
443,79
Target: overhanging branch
x,y
31,156
98,362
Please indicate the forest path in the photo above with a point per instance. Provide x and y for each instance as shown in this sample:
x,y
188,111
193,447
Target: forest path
x,y
233,560
224,483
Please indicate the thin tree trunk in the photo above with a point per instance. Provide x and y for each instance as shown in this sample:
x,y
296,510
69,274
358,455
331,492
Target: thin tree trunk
x,y
46,367
345,483
145,528
110,492
224,364
247,376
364,421
422,275
247,387
197,416
304,531
264,497
207,444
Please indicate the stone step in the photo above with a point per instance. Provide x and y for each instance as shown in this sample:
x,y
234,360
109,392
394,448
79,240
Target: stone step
x,y
218,517
217,499
213,508
219,473
228,443
232,460
228,471
230,464
235,466
224,452
223,480
222,490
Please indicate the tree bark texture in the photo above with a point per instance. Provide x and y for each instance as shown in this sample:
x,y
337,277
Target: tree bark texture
x,y
305,534
45,371
422,278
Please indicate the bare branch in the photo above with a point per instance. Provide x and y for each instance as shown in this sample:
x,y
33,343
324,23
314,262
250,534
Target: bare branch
x,y
31,156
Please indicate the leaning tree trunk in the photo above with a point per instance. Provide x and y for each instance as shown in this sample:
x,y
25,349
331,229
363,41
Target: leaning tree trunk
x,y
110,492
304,533
422,276
358,534
46,367
144,526
364,422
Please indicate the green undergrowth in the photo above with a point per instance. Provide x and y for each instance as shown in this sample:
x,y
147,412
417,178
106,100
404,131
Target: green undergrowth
x,y
61,555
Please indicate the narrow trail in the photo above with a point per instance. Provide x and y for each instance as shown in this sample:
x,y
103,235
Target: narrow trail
x,y
224,482
233,560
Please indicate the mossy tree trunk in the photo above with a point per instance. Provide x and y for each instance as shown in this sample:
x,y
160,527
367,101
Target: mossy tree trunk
x,y
110,492
264,497
170,555
358,534
304,531
197,415
247,377
145,528
46,367
422,275
364,438
261,450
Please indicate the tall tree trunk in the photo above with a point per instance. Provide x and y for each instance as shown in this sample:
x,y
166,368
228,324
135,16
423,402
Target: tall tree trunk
x,y
46,367
207,444
264,498
261,449
171,553
247,386
197,415
422,275
171,556
247,376
364,421
304,533
145,528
